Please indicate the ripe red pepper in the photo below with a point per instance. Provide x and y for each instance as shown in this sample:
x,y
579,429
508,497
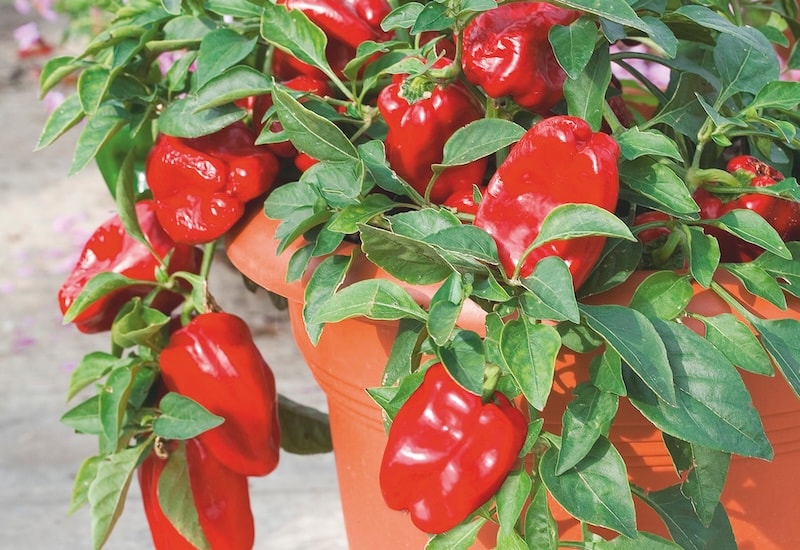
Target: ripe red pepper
x,y
506,52
262,103
214,361
782,214
418,131
201,185
111,249
559,160
221,497
448,452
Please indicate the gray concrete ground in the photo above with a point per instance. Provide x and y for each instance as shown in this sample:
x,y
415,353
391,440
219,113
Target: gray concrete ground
x,y
45,216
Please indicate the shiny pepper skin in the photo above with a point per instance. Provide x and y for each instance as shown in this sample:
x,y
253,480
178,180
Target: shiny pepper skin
x,y
111,249
448,452
418,131
214,361
201,185
507,53
783,215
221,497
559,160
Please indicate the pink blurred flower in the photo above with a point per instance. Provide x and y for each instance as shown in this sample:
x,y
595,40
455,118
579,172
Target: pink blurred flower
x,y
43,7
29,41
52,100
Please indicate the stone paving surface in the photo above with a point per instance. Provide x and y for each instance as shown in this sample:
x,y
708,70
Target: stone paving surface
x,y
45,216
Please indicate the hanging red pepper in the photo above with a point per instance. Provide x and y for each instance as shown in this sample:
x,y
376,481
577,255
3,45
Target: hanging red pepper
x,y
506,52
782,214
448,452
221,497
111,249
559,160
419,129
201,185
214,361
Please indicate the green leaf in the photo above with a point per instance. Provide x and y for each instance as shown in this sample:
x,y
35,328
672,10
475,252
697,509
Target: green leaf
x,y
551,292
137,324
185,118
54,70
304,430
232,84
618,260
291,31
114,401
176,501
704,255
408,259
83,480
595,490
758,282
402,17
219,50
348,220
373,153
744,66
574,44
183,418
293,198
92,367
777,94
377,299
683,524
659,185
93,84
662,295
433,17
585,92
572,221
85,417
466,240
445,308
737,342
642,540
309,132
325,280
529,352
420,224
460,537
541,530
635,143
511,499
705,470
618,12
464,358
605,372
713,406
779,337
637,342
586,418
99,128
236,8
748,225
339,183
479,139
64,117
108,490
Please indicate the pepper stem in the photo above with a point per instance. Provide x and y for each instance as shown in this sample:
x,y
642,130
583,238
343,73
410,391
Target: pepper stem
x,y
491,376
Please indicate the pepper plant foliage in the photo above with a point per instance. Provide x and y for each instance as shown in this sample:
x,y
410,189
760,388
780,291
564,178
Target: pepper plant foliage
x,y
723,93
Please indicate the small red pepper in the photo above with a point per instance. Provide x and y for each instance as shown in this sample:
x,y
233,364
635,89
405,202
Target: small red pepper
x,y
448,452
647,236
214,361
507,53
221,497
782,214
559,160
418,131
201,185
463,201
111,249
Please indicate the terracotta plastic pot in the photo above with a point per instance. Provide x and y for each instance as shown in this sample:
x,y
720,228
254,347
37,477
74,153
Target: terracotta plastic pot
x,y
760,496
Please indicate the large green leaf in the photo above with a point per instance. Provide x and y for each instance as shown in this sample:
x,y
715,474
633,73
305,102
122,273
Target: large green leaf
x,y
529,352
378,299
713,407
586,418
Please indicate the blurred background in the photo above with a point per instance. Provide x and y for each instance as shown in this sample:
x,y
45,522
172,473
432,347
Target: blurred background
x,y
45,217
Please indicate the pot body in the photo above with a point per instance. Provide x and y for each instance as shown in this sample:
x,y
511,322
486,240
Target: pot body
x,y
759,496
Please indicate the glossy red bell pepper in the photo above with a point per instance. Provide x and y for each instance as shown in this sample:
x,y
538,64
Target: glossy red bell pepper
x,y
214,361
221,498
418,131
559,160
507,53
448,452
201,185
782,214
111,249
